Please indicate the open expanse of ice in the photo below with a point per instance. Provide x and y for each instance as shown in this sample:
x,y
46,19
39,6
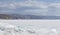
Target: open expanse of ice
x,y
29,27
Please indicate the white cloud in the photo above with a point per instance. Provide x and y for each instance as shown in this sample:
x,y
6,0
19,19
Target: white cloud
x,y
37,12
57,5
34,4
43,6
26,3
11,6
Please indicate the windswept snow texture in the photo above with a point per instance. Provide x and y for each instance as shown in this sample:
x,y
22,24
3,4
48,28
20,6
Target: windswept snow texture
x,y
8,27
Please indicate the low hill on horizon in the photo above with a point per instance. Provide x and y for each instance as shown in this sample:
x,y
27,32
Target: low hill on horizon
x,y
19,16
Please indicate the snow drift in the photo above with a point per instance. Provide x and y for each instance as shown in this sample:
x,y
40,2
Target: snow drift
x,y
9,29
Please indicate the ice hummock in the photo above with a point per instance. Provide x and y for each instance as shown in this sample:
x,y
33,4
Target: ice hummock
x,y
9,29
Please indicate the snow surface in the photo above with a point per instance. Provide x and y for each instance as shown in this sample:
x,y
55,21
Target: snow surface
x,y
29,27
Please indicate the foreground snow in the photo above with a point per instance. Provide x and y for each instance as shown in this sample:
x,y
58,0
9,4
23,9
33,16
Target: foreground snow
x,y
10,28
7,29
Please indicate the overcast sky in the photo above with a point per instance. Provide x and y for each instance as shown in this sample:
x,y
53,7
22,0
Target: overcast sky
x,y
31,7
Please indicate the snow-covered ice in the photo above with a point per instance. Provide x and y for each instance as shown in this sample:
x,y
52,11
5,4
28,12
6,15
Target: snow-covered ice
x,y
29,27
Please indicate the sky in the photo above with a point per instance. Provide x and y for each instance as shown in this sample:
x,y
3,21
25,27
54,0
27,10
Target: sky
x,y
30,7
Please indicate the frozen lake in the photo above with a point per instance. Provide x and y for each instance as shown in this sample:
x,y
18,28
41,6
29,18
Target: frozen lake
x,y
29,27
